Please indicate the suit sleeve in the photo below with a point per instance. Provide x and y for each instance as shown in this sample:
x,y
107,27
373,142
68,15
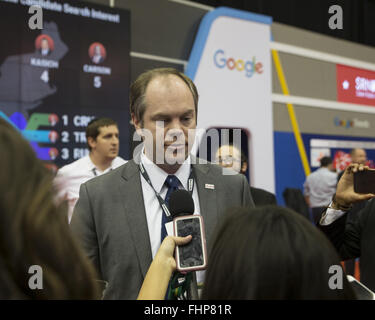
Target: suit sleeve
x,y
345,234
247,199
83,227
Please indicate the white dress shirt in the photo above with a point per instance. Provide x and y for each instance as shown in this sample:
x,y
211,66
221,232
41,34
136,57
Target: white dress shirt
x,y
153,210
70,177
330,216
320,186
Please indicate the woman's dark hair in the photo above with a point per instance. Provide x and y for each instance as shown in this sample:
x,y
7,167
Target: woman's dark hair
x,y
271,253
34,230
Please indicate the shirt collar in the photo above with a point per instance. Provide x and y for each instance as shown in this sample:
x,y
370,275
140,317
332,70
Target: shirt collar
x,y
158,176
91,166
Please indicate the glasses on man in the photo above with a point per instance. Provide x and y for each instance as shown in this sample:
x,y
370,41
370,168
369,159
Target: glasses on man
x,y
228,160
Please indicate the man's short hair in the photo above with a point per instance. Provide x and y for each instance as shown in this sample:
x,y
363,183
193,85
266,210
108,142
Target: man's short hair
x,y
92,129
325,161
139,86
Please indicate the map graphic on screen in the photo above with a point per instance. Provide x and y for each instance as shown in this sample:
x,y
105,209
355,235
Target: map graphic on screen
x,y
55,80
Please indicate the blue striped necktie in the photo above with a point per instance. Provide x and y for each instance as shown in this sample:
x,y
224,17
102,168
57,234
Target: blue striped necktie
x,y
172,183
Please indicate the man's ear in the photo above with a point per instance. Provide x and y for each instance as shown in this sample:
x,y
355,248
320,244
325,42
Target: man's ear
x,y
91,142
137,124
244,167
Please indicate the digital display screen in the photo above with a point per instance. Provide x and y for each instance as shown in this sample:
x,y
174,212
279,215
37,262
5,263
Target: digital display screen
x,y
54,80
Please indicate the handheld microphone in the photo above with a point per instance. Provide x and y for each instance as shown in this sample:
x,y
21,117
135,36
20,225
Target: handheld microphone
x,y
181,203
192,256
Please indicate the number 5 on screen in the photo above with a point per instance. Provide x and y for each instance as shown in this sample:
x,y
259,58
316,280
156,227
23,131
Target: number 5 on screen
x,y
97,82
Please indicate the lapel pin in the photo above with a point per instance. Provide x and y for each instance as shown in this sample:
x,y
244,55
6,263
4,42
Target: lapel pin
x,y
209,186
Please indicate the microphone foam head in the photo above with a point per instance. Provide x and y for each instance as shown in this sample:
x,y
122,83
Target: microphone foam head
x,y
181,203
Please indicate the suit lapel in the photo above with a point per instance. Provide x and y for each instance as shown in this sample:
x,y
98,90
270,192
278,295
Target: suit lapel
x,y
207,197
134,210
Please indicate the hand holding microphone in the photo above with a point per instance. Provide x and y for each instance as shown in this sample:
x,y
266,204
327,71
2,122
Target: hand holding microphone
x,y
167,248
157,278
191,256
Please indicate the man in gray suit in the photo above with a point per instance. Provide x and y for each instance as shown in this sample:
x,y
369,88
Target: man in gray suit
x,y
119,217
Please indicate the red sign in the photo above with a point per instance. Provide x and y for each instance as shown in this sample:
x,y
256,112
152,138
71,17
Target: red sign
x,y
355,85
341,160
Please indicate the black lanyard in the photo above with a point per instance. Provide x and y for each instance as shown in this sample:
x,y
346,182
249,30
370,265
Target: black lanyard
x,y
162,203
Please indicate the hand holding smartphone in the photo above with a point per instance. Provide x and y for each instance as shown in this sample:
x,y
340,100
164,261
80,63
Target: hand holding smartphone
x,y
192,256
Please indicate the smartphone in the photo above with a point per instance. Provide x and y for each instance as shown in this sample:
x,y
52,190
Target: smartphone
x,y
361,291
364,181
192,256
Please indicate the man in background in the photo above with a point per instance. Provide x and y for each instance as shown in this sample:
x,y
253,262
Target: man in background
x,y
228,156
319,187
359,156
102,137
352,234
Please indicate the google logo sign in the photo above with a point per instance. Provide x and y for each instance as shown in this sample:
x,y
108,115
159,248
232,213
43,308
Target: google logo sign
x,y
249,67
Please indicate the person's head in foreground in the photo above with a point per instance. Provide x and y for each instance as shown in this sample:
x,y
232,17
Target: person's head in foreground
x,y
271,253
38,257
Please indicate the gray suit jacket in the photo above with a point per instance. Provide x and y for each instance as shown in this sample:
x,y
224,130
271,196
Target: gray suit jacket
x,y
110,221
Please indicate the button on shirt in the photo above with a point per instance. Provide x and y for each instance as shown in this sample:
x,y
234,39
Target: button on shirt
x,y
330,216
320,186
70,177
